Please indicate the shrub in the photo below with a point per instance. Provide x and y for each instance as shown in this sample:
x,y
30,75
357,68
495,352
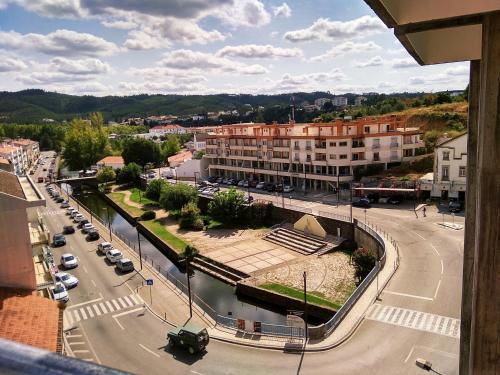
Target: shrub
x,y
106,174
260,213
227,207
364,260
189,215
174,197
148,215
130,174
153,191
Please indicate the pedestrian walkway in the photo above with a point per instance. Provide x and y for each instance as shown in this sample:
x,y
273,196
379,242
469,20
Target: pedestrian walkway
x,y
78,313
418,320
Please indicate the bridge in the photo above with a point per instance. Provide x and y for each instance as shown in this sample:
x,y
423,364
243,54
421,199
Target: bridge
x,y
79,181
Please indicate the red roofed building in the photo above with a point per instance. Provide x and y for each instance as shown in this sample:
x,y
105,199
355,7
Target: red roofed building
x,y
162,130
114,162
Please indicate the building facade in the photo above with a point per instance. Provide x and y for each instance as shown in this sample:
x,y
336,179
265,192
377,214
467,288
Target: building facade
x,y
316,156
162,130
339,101
115,162
21,153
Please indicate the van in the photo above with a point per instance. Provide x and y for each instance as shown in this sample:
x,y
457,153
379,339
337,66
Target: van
x,y
124,265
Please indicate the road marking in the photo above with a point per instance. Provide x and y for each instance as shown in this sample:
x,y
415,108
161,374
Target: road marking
x,y
72,336
119,324
418,320
103,308
93,283
96,309
415,233
437,289
130,304
128,312
196,372
133,298
77,343
149,351
85,269
91,313
81,351
124,305
77,316
116,305
442,267
409,354
67,315
436,250
408,295
84,315
85,303
110,307
90,345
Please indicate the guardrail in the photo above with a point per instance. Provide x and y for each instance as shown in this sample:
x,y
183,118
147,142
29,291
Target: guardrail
x,y
265,328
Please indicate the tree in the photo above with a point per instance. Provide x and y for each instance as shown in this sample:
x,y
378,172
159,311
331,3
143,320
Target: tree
x,y
170,147
442,97
174,197
228,207
129,174
154,189
84,144
189,217
328,107
198,154
106,174
141,151
364,260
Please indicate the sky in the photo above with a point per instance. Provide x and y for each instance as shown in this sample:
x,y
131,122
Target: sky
x,y
125,47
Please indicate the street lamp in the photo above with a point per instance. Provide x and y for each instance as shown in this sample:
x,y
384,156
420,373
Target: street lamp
x,y
139,243
305,303
109,224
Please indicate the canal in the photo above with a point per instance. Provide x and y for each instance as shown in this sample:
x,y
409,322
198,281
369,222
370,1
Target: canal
x,y
217,294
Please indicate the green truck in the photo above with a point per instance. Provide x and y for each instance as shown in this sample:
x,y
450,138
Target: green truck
x,y
191,336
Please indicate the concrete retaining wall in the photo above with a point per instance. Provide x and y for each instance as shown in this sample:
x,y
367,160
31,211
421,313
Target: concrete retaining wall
x,y
363,239
131,219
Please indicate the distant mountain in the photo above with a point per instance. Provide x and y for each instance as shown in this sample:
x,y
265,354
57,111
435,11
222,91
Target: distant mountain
x,y
31,106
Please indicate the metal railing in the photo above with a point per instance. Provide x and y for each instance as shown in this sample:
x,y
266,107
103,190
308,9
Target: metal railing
x,y
265,328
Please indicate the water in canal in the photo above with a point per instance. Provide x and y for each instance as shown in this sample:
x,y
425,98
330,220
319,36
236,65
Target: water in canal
x,y
219,295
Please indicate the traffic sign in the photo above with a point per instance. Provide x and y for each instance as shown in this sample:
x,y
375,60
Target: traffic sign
x,y
149,282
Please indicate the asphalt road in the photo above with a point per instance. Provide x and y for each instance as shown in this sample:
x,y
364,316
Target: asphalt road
x,y
130,338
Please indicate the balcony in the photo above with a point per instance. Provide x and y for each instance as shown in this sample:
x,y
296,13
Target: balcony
x,y
308,148
394,144
376,147
296,148
358,145
296,159
320,145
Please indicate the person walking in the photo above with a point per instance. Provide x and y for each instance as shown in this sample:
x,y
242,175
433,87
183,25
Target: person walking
x,y
424,212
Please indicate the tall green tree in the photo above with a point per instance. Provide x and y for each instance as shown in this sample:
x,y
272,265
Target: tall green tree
x,y
106,174
171,146
129,174
228,207
174,197
141,151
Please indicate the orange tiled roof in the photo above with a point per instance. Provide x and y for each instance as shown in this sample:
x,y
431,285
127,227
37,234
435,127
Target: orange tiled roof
x,y
10,184
111,160
27,318
185,155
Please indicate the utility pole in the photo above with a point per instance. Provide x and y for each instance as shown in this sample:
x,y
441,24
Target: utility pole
x,y
189,287
139,242
338,187
305,303
350,189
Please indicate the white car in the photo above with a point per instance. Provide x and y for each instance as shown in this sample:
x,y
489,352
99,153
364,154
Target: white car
x,y
69,261
70,210
87,227
59,292
67,279
288,189
114,255
104,246
73,214
78,217
260,185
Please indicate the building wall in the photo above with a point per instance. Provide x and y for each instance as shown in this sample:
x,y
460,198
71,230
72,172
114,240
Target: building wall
x,y
187,169
452,157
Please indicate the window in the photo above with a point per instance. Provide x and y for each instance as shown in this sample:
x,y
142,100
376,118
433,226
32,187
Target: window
x,y
333,144
342,144
462,172
308,159
376,156
332,157
445,173
446,155
344,156
367,130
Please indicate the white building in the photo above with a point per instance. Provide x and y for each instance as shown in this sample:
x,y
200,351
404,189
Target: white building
x,y
339,101
200,141
321,102
162,130
359,100
310,156
450,169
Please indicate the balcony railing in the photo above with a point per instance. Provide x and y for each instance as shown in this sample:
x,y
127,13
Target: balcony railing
x,y
375,147
358,145
320,145
296,147
309,148
394,144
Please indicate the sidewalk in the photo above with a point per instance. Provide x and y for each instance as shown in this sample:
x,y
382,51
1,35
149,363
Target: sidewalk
x,y
171,305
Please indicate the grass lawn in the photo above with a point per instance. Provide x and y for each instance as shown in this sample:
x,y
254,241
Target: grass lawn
x,y
173,241
118,198
312,297
138,196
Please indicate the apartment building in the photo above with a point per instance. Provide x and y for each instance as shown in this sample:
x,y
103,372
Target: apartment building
x,y
162,130
358,100
316,156
320,102
339,101
21,153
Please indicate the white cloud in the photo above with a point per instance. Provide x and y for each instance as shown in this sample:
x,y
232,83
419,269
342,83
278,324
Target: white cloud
x,y
44,78
404,63
162,87
305,82
11,64
78,67
186,31
326,30
374,61
198,61
139,40
459,70
258,51
345,48
90,88
60,42
53,8
250,13
282,11
119,24
167,73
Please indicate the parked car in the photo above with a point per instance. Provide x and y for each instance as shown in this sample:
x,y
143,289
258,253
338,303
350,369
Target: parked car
x,y
241,183
225,181
124,265
68,229
373,197
253,183
288,189
260,185
190,336
212,179
395,199
103,247
455,206
59,199
114,255
383,200
81,223
219,180
74,213
67,279
93,234
86,227
65,204
58,240
78,218
69,261
362,202
246,183
278,188
59,293
270,186
70,210
40,180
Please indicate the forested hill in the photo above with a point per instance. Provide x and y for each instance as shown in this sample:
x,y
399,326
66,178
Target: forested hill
x,y
30,106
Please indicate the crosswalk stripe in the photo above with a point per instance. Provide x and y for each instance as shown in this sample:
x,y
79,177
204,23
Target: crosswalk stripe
x,y
110,307
130,304
417,320
103,308
68,317
133,298
122,302
91,313
84,314
77,316
116,305
96,309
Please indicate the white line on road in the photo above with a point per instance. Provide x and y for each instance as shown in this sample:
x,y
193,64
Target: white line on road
x,y
81,351
415,233
409,354
110,307
408,295
130,304
93,283
149,351
125,313
116,305
77,343
84,315
434,248
85,269
103,308
442,267
196,372
96,309
437,289
72,336
122,302
84,303
90,345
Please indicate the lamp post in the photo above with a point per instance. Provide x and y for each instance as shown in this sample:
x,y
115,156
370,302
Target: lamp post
x,y
139,243
350,189
305,303
109,224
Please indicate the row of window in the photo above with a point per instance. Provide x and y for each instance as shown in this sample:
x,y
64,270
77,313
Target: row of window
x,y
445,172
